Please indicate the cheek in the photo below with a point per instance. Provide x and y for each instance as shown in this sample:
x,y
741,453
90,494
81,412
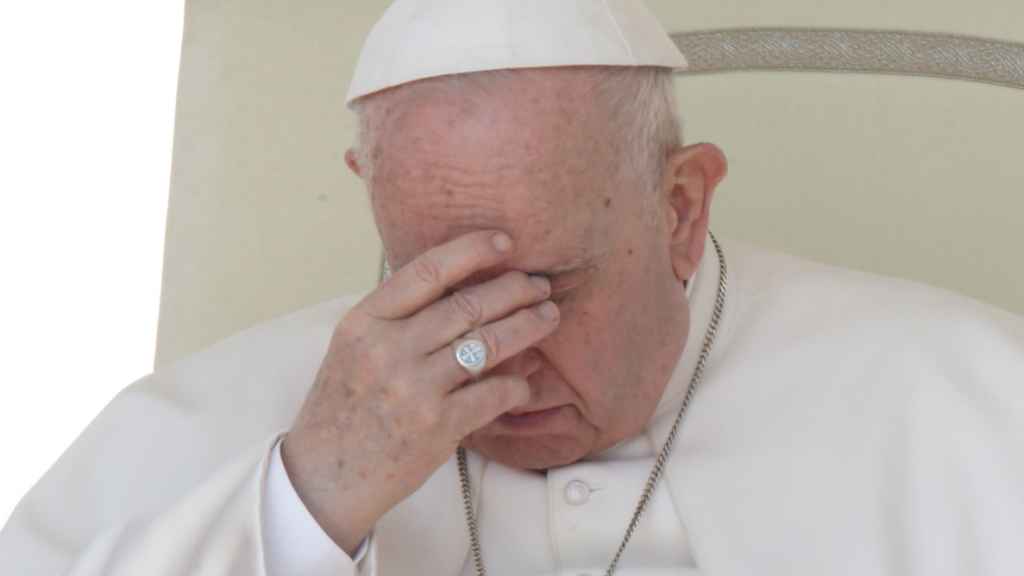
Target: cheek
x,y
584,350
602,341
394,232
403,237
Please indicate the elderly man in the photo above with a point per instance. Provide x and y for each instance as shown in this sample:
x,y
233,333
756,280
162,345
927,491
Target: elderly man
x,y
566,374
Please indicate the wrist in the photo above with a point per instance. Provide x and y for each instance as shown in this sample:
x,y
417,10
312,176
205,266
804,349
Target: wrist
x,y
346,511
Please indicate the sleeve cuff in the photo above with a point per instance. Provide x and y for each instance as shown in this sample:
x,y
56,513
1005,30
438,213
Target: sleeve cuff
x,y
294,543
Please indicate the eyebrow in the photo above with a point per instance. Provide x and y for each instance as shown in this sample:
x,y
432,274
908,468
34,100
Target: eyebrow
x,y
576,263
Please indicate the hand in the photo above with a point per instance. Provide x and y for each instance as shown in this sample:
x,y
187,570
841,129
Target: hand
x,y
390,404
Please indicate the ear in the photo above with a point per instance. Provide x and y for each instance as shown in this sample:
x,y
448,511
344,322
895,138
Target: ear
x,y
352,160
691,175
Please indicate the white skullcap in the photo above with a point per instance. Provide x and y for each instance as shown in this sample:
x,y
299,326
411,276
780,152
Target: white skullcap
x,y
417,39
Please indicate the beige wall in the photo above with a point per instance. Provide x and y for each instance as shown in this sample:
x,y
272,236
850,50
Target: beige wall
x,y
916,177
264,217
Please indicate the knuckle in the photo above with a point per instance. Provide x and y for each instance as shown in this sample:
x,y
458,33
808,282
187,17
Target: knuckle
x,y
427,269
350,330
466,307
359,326
368,308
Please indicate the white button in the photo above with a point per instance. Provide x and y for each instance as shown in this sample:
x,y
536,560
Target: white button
x,y
577,492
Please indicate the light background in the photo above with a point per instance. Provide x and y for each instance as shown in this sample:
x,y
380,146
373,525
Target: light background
x,y
87,96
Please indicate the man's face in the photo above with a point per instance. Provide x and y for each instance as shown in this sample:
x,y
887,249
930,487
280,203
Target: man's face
x,y
533,159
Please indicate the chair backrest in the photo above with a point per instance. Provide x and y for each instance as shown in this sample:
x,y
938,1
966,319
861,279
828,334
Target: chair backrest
x,y
880,135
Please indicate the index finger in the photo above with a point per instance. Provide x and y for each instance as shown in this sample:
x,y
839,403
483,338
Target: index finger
x,y
427,277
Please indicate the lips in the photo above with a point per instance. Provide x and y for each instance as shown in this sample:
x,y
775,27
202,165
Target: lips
x,y
527,411
530,420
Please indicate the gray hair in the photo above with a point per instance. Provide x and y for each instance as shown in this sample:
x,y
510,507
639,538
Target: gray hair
x,y
641,101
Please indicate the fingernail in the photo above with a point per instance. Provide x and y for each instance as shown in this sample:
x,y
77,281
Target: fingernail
x,y
501,241
548,310
542,284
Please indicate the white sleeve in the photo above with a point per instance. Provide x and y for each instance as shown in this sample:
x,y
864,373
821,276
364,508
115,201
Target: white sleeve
x,y
294,542
216,529
213,530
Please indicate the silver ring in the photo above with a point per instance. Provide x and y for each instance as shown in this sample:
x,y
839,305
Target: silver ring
x,y
471,354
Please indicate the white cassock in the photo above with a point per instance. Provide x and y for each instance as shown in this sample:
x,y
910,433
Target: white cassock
x,y
847,424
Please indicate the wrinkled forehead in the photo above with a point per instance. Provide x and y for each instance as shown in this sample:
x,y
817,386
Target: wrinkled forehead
x,y
529,122
451,167
545,242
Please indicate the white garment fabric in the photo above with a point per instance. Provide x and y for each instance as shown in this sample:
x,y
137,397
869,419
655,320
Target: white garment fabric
x,y
847,424
418,39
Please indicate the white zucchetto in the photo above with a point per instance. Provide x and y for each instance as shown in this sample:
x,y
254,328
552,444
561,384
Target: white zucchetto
x,y
417,39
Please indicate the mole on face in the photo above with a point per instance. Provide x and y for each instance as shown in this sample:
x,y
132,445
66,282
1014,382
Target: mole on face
x,y
607,201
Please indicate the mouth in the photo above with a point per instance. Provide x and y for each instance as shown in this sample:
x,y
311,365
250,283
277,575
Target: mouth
x,y
524,411
528,418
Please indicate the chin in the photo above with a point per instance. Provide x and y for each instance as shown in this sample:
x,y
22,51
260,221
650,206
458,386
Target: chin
x,y
529,453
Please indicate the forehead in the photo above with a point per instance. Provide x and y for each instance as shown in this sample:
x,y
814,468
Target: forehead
x,y
521,124
544,242
522,163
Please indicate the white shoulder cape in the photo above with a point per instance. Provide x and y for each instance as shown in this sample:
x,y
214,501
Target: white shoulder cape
x,y
847,424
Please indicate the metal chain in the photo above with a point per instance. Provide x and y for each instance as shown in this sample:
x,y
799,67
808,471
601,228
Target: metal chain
x,y
659,463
